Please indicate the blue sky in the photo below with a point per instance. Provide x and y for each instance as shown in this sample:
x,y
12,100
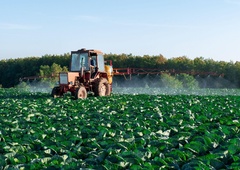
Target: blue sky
x,y
173,28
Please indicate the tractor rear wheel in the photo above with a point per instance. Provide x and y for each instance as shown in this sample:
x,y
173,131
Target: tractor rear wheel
x,y
81,93
102,87
56,92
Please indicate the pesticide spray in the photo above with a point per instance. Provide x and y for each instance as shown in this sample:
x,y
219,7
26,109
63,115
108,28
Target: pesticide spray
x,y
36,86
155,85
150,85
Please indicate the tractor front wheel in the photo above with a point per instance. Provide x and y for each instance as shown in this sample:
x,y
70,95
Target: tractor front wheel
x,y
102,87
56,92
81,93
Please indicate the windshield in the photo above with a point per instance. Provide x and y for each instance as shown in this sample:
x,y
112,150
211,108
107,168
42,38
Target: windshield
x,y
79,60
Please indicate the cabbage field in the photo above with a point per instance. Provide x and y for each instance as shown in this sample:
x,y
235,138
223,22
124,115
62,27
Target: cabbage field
x,y
127,130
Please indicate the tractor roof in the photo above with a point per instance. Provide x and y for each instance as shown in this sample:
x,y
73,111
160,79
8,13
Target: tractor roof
x,y
89,51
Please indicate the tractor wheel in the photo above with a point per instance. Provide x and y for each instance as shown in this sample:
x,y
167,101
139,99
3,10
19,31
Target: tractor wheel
x,y
81,93
102,87
56,92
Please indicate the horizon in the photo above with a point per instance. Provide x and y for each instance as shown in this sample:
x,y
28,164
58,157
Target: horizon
x,y
200,28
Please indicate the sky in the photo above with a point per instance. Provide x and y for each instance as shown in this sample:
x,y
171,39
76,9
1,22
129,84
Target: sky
x,y
172,28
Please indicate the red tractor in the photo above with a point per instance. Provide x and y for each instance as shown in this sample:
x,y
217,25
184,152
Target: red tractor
x,y
88,73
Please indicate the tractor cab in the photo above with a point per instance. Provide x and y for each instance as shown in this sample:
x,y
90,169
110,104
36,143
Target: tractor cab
x,y
87,73
87,61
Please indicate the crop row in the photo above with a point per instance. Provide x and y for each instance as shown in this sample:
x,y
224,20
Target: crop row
x,y
119,132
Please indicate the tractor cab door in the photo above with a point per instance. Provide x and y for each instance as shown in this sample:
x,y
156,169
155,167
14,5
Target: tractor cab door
x,y
93,65
96,63
93,61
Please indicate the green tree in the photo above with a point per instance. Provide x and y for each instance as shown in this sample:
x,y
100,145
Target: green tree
x,y
199,64
45,71
51,71
237,74
50,74
169,81
180,64
188,81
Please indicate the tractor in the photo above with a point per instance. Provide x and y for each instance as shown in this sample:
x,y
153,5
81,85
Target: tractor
x,y
88,73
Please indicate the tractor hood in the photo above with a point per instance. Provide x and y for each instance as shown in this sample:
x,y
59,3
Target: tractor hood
x,y
66,78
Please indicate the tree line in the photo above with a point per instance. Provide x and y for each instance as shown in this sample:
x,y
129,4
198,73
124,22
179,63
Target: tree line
x,y
11,70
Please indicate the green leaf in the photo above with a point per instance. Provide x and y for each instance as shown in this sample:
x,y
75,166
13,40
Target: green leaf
x,y
217,163
196,147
